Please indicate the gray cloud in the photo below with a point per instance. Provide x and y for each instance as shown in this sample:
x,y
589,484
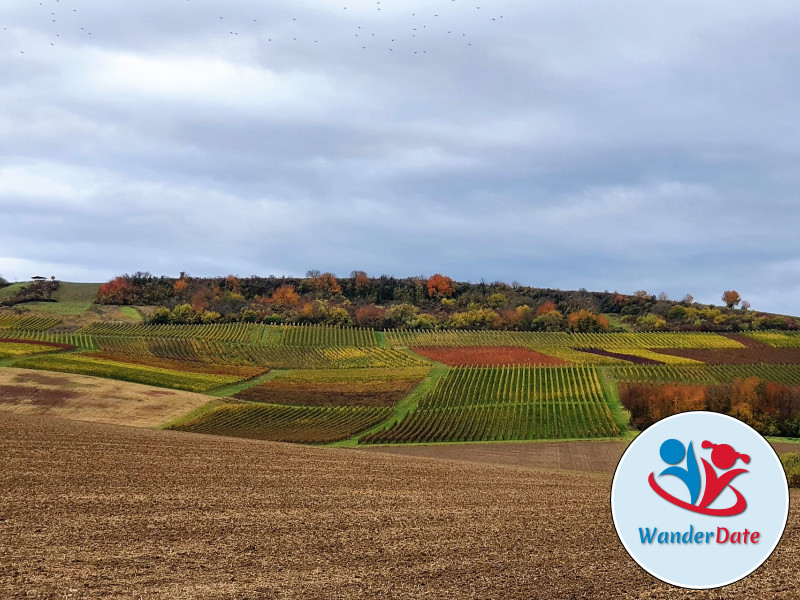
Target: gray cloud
x,y
561,144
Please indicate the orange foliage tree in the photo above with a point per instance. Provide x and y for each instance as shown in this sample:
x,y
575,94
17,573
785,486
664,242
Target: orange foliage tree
x,y
326,284
116,291
370,316
731,298
548,307
200,301
586,321
770,408
362,282
441,286
285,296
232,284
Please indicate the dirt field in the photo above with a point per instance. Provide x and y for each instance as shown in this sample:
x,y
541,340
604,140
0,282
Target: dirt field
x,y
83,398
754,352
90,511
637,360
599,456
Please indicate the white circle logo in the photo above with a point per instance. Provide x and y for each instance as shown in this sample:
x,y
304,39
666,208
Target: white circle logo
x,y
699,500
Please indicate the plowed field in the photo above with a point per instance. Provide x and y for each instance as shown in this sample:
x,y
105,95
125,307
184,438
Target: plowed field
x,y
754,352
92,399
91,511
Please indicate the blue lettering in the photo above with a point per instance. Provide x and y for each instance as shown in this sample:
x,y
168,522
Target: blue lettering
x,y
647,538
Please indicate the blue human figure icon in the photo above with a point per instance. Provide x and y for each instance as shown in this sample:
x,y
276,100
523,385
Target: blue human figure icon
x,y
672,452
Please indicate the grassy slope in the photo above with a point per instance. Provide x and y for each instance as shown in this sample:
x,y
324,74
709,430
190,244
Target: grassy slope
x,y
618,412
71,299
10,290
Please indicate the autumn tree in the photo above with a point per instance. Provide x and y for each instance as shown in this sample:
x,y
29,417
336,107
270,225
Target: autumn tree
x,y
339,317
361,282
285,296
370,316
232,284
180,286
116,291
325,284
496,300
199,301
440,286
731,298
547,307
585,321
688,299
184,313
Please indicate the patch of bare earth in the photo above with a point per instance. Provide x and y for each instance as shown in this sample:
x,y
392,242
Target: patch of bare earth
x,y
87,398
637,360
599,456
90,511
754,352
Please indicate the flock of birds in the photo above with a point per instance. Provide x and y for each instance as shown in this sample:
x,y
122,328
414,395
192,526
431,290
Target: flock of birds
x,y
383,25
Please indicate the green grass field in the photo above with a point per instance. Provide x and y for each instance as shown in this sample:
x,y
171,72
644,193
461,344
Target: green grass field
x,y
10,290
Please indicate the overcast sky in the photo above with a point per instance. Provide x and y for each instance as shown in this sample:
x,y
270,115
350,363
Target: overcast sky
x,y
611,145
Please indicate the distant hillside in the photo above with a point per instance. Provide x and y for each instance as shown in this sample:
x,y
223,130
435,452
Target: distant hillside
x,y
435,302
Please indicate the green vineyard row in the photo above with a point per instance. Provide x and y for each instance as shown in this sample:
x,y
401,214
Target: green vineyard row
x,y
98,367
506,403
304,424
710,374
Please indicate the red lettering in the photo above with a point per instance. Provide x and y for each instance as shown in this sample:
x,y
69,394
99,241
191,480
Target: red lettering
x,y
720,540
736,537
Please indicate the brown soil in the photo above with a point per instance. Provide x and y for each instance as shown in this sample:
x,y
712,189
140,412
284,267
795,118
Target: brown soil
x,y
15,395
487,355
600,456
637,360
754,352
90,511
40,377
375,393
92,399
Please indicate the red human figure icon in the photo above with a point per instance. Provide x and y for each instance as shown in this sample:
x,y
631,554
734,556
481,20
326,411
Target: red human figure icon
x,y
724,457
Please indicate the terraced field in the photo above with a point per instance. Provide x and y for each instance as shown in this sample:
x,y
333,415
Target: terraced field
x,y
785,374
511,403
431,386
12,348
304,424
101,367
10,320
